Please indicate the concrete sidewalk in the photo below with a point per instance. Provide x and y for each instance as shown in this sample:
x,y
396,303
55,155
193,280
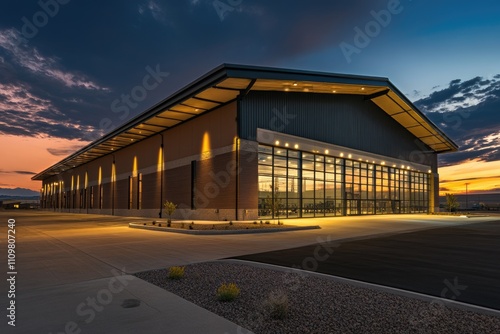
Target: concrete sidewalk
x,y
63,259
120,304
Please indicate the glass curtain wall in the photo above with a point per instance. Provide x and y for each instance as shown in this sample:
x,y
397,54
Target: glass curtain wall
x,y
302,184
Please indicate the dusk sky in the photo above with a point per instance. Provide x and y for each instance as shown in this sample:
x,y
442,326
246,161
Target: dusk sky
x,y
66,65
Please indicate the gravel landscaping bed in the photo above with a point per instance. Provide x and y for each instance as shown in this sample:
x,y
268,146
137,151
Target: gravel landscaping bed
x,y
315,305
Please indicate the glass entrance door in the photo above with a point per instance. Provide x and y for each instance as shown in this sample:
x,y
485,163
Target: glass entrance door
x,y
353,207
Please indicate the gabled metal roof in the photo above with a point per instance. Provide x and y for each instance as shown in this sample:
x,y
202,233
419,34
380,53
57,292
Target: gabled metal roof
x,y
225,83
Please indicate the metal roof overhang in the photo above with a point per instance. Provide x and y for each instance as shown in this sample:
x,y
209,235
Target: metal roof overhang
x,y
225,83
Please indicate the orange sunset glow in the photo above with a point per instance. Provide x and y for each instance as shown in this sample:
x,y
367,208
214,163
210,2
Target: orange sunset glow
x,y
481,176
23,156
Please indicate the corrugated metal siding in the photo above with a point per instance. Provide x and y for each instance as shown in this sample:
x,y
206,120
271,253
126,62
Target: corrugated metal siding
x,y
345,120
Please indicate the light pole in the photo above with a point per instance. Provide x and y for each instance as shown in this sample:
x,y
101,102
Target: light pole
x,y
466,196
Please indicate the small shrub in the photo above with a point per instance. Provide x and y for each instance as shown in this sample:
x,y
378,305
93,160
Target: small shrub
x,y
267,222
190,227
228,292
255,222
261,222
231,222
182,225
213,227
176,272
144,224
154,222
169,224
277,305
159,225
170,207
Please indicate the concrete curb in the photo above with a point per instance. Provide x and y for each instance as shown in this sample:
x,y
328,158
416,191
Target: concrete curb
x,y
222,232
400,292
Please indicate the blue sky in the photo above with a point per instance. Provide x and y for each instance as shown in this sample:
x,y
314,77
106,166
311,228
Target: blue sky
x,y
62,67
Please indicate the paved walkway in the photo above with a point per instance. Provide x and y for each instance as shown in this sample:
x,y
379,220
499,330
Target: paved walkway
x,y
70,269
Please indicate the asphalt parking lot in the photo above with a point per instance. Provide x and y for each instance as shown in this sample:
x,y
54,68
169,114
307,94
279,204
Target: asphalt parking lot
x,y
457,262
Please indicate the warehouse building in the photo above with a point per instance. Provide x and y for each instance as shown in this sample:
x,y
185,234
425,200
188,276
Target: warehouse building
x,y
244,142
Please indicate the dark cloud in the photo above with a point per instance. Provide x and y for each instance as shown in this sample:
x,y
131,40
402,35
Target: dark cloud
x,y
64,151
21,172
468,111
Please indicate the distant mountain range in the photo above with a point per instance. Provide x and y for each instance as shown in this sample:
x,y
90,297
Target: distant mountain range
x,y
18,192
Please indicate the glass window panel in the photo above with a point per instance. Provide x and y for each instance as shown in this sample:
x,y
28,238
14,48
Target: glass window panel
x,y
265,169
293,172
280,187
293,208
308,188
280,171
319,158
330,168
265,149
280,152
320,166
338,191
293,154
320,175
293,188
307,207
329,190
307,164
330,177
265,184
308,174
319,193
265,159
307,156
280,161
294,163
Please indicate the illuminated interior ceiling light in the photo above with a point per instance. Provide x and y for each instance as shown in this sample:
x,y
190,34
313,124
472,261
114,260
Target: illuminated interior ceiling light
x,y
277,142
393,165
334,91
287,89
278,152
296,146
341,154
429,171
383,163
349,156
295,84
286,144
362,88
408,167
326,151
360,159
306,89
